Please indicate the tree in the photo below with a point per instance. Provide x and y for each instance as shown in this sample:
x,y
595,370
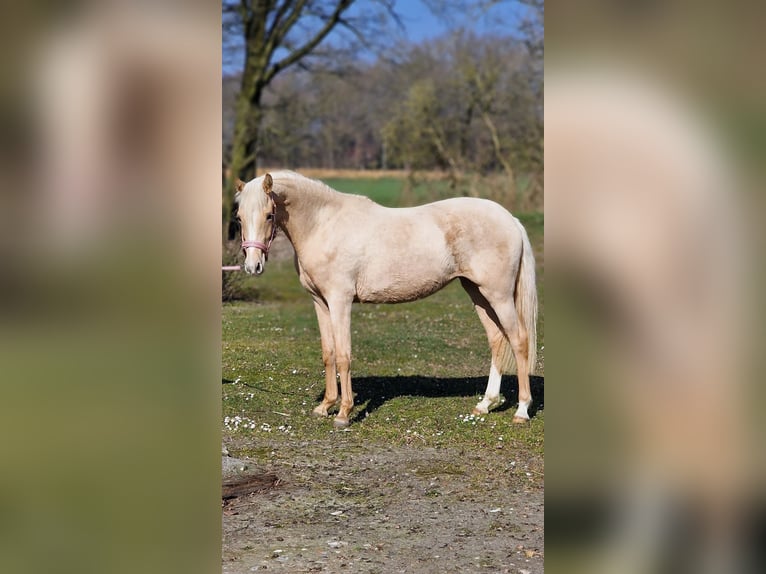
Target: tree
x,y
528,18
468,109
277,35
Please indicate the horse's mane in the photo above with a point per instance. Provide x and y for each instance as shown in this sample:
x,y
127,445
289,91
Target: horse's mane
x,y
310,190
300,183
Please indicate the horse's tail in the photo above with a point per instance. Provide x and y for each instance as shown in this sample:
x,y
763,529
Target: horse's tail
x,y
525,300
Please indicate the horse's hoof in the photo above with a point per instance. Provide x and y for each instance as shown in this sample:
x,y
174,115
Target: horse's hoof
x,y
520,420
487,405
318,413
340,423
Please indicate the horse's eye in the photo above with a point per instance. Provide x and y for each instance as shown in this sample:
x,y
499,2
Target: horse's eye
x,y
269,217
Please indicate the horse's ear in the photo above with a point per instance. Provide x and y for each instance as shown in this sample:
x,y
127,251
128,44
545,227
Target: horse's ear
x,y
239,185
268,184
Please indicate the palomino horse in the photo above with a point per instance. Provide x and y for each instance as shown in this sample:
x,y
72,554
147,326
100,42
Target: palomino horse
x,y
348,248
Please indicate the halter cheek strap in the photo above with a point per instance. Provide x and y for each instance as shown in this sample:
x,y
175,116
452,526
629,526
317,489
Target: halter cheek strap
x,y
265,246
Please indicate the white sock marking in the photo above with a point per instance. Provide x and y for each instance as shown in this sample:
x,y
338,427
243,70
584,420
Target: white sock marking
x,y
492,395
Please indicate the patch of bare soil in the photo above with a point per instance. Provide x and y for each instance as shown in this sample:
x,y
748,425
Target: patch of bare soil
x,y
335,506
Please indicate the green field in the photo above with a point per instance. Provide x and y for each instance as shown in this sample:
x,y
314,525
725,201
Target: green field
x,y
417,369
385,190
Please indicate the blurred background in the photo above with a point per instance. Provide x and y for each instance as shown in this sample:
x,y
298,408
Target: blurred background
x,y
653,167
109,313
112,161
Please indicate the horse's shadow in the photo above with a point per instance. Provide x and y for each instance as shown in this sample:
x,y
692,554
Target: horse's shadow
x,y
374,392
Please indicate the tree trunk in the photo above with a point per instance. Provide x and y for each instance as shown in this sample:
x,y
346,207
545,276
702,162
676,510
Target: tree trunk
x,y
245,143
248,111
497,146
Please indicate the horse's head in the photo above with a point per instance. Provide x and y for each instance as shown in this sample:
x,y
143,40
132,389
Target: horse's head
x,y
257,216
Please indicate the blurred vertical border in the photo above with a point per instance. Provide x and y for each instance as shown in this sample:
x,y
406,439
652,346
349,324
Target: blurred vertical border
x,y
654,146
109,288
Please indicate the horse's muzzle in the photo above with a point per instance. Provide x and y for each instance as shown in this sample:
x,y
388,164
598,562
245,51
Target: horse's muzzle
x,y
255,267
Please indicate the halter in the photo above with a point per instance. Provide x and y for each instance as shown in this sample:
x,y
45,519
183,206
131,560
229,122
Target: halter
x,y
265,246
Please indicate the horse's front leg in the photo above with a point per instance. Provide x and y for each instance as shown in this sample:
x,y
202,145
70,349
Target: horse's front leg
x,y
340,315
328,358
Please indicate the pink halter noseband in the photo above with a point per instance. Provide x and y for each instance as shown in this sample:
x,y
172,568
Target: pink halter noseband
x,y
265,246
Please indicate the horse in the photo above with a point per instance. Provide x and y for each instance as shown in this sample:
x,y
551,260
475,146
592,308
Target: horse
x,y
350,249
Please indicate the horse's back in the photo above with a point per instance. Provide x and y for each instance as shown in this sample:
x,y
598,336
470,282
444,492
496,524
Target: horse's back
x,y
475,224
412,252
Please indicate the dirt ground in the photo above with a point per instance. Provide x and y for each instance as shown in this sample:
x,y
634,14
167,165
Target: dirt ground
x,y
338,506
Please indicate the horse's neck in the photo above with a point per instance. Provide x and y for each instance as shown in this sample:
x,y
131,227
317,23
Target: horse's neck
x,y
301,207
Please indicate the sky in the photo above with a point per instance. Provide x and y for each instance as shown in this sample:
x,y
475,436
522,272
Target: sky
x,y
421,24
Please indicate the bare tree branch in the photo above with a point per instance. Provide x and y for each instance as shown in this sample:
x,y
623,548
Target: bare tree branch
x,y
301,52
279,29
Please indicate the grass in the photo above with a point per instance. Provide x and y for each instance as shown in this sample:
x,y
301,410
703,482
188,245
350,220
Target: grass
x,y
396,190
418,368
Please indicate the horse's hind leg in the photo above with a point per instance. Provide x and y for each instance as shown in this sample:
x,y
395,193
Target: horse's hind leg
x,y
328,358
501,321
497,343
519,340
